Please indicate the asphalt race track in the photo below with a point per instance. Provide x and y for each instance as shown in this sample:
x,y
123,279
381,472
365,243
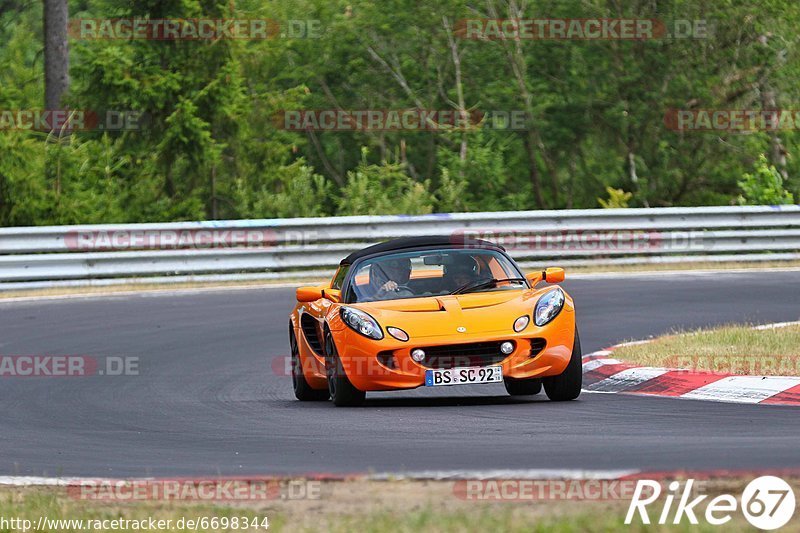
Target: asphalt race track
x,y
206,400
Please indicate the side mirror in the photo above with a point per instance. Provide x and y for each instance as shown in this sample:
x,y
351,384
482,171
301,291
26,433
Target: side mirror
x,y
309,294
550,275
554,275
334,295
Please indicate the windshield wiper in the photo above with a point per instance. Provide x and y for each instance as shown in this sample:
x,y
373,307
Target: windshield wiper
x,y
482,284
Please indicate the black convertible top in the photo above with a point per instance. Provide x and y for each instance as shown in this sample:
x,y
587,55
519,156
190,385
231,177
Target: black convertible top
x,y
403,243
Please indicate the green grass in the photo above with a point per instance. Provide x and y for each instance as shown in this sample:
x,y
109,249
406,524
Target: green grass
x,y
733,349
373,507
32,503
506,519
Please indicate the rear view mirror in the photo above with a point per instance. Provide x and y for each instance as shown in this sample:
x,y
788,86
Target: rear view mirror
x,y
550,275
309,294
554,275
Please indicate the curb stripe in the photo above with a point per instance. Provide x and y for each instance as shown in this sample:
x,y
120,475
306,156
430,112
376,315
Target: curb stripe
x,y
628,379
677,383
603,373
743,389
787,397
427,475
548,473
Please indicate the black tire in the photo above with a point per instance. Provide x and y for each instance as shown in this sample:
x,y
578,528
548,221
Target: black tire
x,y
567,385
523,387
341,391
302,390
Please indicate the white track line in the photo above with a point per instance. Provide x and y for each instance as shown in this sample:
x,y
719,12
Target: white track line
x,y
146,293
677,272
632,343
598,352
597,363
777,325
26,481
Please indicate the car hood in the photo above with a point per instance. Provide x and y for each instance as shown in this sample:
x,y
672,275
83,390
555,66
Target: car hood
x,y
486,312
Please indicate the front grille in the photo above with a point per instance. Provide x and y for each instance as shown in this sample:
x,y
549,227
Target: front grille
x,y
537,345
386,358
472,354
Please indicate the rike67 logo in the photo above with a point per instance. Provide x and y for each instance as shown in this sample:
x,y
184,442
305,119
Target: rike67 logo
x,y
768,503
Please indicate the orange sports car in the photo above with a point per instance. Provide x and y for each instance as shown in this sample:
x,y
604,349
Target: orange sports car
x,y
433,311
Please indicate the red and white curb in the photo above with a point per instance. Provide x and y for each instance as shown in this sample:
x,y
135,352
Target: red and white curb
x,y
603,373
423,475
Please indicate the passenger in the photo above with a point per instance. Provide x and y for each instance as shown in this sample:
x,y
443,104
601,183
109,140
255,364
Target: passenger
x,y
460,273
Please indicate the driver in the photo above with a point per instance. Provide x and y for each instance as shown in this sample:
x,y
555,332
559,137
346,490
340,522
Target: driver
x,y
390,276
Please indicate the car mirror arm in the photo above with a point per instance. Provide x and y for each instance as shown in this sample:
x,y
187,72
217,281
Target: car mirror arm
x,y
550,275
334,295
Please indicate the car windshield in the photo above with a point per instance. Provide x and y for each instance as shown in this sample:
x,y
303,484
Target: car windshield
x,y
424,273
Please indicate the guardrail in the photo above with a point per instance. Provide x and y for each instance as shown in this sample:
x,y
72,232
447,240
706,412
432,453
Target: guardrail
x,y
286,248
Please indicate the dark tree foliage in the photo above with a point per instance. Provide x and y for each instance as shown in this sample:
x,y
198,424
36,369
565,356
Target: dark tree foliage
x,y
594,114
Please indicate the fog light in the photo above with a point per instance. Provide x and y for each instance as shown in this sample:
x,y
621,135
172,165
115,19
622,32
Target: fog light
x,y
507,347
417,355
521,323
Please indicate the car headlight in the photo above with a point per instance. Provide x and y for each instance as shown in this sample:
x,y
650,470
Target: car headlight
x,y
362,323
548,307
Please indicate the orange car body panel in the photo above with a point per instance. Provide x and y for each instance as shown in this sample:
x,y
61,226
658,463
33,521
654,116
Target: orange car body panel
x,y
435,321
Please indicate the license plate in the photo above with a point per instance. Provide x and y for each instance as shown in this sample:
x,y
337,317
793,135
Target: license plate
x,y
463,375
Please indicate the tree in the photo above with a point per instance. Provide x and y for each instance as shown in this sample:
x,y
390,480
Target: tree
x,y
56,53
764,186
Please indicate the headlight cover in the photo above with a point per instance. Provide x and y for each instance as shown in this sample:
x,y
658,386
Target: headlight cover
x,y
397,333
548,307
362,323
521,323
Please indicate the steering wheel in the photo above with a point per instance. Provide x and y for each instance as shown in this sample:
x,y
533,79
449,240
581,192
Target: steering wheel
x,y
405,289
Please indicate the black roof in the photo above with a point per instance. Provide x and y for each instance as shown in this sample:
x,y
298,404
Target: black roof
x,y
403,243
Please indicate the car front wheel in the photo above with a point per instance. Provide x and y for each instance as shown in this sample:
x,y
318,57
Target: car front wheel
x,y
341,391
567,385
